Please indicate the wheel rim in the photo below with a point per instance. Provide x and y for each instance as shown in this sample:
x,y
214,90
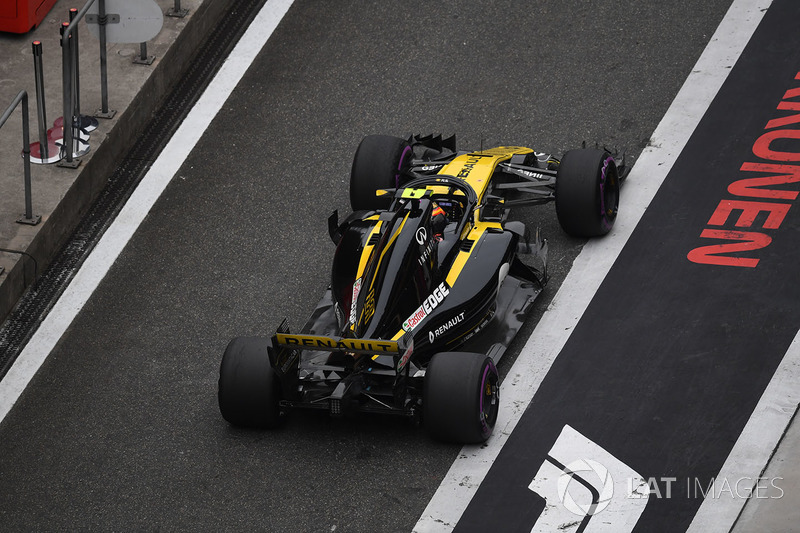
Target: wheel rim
x,y
609,193
489,399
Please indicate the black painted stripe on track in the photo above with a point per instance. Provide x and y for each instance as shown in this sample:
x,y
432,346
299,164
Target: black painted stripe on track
x,y
671,357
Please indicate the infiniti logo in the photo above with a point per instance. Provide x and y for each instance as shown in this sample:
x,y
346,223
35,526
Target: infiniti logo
x,y
422,236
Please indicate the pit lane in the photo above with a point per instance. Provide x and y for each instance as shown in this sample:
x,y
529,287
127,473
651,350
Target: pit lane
x,y
120,427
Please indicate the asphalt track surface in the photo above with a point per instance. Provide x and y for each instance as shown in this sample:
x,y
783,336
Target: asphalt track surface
x,y
672,402
120,430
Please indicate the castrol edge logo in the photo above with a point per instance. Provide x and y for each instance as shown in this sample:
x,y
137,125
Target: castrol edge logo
x,y
428,305
356,291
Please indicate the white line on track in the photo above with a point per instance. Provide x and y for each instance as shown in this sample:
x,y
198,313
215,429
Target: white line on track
x,y
594,262
144,197
753,449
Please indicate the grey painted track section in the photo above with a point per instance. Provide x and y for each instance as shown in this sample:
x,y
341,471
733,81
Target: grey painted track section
x,y
120,429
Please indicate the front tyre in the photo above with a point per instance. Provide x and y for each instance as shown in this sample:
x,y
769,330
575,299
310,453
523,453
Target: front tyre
x,y
587,192
249,390
379,163
461,397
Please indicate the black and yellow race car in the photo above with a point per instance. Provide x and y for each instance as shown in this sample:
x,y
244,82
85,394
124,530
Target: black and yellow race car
x,y
430,282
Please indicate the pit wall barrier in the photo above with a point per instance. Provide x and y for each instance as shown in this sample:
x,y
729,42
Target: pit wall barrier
x,y
91,175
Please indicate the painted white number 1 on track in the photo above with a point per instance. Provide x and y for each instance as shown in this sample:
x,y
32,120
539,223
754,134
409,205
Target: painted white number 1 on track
x,y
586,489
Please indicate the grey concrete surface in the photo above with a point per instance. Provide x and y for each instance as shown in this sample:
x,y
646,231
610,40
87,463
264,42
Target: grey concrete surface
x,y
62,195
775,506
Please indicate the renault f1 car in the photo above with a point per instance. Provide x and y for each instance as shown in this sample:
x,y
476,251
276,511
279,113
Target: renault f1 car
x,y
429,284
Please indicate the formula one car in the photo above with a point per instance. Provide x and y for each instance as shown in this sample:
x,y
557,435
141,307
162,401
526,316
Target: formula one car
x,y
428,286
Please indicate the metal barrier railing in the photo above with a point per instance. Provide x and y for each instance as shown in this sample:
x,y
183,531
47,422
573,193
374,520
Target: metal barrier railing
x,y
70,87
47,151
73,124
28,217
176,11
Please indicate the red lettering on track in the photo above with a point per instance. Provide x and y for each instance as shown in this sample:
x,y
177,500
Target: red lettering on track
x,y
757,187
782,174
712,255
785,121
777,212
762,146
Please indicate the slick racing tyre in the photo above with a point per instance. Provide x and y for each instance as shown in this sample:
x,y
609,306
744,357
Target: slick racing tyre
x,y
379,163
587,192
249,390
460,397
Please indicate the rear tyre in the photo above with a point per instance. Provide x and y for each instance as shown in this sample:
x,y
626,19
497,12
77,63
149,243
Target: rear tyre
x,y
249,390
379,163
587,192
460,397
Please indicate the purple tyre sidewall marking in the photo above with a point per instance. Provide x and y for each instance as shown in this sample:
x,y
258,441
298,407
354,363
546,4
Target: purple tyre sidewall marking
x,y
400,166
603,217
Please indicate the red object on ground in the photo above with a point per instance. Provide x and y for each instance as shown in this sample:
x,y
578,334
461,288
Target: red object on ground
x,y
21,16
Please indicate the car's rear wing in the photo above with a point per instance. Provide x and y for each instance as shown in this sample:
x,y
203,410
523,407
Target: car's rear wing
x,y
286,348
339,344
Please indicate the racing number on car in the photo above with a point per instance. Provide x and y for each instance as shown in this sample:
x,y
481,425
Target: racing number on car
x,y
369,306
579,480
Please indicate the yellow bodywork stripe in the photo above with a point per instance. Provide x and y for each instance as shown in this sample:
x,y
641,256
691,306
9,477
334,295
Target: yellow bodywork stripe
x,y
365,255
388,245
460,260
476,169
